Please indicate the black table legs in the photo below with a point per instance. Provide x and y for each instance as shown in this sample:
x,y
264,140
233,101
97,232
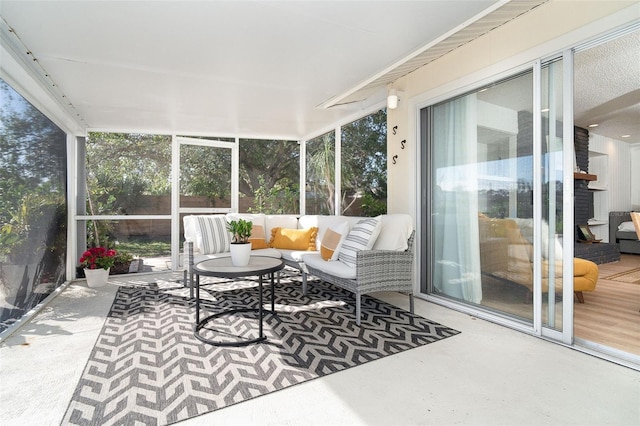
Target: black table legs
x,y
200,324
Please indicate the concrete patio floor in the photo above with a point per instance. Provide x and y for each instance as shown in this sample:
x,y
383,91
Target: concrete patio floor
x,y
486,375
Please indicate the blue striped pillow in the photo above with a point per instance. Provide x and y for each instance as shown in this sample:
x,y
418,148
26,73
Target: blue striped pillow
x,y
213,236
361,237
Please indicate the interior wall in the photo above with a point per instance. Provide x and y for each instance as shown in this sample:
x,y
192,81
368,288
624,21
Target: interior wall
x,y
548,29
616,172
635,176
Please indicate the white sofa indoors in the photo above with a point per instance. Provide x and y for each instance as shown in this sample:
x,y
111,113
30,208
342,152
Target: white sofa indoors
x,y
372,254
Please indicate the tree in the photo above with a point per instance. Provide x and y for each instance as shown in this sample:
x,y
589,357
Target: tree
x,y
206,171
321,174
121,163
270,172
121,168
33,152
33,208
364,164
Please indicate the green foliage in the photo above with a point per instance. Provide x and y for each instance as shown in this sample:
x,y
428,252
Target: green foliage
x,y
122,167
130,157
364,161
146,247
98,233
281,198
117,194
364,168
123,256
240,230
37,225
373,207
270,172
206,171
320,176
32,181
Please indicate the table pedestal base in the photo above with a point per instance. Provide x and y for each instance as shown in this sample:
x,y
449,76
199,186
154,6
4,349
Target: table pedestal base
x,y
261,337
201,323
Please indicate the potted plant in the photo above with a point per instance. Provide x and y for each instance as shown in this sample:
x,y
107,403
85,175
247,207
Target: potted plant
x,y
240,246
96,263
122,263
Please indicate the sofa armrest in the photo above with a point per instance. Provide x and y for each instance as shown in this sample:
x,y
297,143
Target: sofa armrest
x,y
189,261
615,219
385,270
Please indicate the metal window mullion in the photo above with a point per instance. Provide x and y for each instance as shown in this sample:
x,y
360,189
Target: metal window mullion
x,y
338,170
72,204
567,197
80,185
235,167
175,202
537,199
303,177
551,152
124,217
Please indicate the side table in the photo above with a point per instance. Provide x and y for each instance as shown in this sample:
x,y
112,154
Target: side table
x,y
223,268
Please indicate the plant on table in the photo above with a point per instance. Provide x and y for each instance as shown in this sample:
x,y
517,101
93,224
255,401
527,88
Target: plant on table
x,y
240,230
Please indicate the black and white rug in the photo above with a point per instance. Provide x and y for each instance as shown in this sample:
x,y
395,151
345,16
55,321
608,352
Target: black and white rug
x,y
148,368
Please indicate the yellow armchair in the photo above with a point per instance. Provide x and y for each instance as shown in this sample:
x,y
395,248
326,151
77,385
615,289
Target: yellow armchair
x,y
515,254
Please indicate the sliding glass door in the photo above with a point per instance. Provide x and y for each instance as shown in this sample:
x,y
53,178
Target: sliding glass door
x,y
481,181
551,197
492,241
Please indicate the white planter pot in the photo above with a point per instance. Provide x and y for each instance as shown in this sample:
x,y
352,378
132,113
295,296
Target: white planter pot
x,y
96,277
240,254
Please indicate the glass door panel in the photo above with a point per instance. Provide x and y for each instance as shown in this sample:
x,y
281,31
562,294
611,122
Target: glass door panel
x,y
552,190
480,149
205,176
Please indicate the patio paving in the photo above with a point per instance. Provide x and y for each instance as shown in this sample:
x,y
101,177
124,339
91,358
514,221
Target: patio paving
x,y
488,374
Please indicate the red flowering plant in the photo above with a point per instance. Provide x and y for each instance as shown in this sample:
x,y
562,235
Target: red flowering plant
x,y
98,258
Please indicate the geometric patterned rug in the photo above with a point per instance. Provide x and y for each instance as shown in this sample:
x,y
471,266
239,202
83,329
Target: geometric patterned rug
x,y
148,368
632,276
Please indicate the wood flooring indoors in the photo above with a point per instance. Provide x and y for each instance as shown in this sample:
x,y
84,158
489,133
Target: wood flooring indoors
x,y
610,315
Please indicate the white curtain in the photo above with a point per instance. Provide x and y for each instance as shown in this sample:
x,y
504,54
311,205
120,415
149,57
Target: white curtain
x,y
455,199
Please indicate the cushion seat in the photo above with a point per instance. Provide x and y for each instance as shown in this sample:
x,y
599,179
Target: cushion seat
x,y
336,268
294,255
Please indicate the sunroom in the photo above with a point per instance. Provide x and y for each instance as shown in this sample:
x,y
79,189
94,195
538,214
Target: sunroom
x,y
338,108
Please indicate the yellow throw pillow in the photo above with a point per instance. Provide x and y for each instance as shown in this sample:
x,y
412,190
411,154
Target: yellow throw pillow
x,y
294,239
332,240
258,239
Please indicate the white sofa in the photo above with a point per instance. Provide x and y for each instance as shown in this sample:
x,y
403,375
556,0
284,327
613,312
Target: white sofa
x,y
387,266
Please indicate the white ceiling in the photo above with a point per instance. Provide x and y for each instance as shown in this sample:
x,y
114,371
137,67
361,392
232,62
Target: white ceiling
x,y
607,88
260,68
222,67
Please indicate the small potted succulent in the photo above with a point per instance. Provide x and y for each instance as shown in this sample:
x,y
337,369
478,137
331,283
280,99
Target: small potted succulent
x,y
240,246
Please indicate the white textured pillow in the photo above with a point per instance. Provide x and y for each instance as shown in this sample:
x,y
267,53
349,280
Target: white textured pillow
x,y
333,239
361,237
395,230
626,227
212,235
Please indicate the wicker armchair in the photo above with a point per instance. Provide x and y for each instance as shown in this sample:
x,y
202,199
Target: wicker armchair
x,y
377,270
